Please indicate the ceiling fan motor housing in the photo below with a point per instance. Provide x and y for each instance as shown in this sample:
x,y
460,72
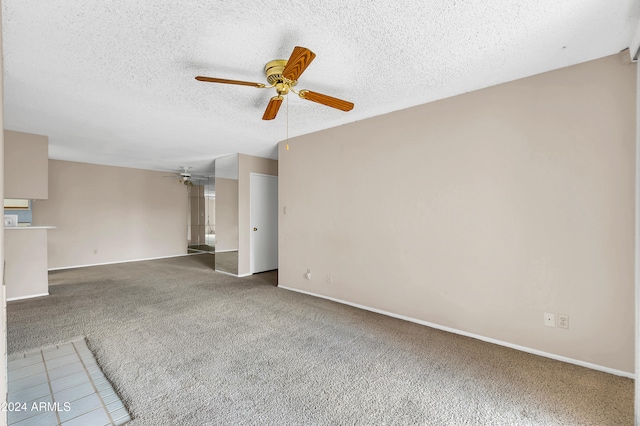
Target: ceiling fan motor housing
x,y
274,70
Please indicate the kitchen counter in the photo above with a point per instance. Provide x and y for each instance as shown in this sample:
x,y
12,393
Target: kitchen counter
x,y
29,227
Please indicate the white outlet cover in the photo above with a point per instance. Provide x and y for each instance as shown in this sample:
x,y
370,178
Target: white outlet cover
x,y
549,319
563,321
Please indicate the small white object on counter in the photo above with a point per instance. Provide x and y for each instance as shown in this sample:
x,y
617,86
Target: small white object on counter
x,y
10,220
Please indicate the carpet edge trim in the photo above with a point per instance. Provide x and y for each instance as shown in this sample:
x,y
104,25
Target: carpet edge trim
x,y
472,335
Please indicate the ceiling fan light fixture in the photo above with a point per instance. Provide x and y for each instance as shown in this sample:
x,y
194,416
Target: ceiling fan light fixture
x,y
282,88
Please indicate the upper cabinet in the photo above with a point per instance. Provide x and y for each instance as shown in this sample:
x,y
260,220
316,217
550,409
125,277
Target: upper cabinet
x,y
26,165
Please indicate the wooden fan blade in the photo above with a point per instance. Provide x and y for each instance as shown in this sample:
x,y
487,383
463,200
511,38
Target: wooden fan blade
x,y
326,100
273,107
300,59
225,81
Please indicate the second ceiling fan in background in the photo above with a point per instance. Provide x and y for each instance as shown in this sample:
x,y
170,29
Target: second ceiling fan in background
x,y
283,75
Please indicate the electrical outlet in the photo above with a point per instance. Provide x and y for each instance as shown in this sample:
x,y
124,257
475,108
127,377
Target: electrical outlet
x,y
329,278
549,319
563,321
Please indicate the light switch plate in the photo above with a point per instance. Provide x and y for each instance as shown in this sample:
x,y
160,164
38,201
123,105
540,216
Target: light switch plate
x,y
549,319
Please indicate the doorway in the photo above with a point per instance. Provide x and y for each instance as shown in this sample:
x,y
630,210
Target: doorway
x,y
201,236
264,222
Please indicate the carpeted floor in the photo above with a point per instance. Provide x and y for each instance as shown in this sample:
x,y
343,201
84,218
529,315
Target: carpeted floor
x,y
185,345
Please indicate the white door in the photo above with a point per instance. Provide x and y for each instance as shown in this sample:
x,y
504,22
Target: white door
x,y
264,222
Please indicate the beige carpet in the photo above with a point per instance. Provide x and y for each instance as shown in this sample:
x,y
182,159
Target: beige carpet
x,y
185,345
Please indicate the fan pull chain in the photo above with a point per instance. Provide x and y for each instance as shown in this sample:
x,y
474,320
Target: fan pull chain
x,y
287,146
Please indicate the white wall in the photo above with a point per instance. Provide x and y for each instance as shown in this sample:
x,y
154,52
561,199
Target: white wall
x,y
637,252
3,299
479,212
111,214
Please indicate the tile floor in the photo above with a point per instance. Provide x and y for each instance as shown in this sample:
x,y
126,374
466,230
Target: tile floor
x,y
61,385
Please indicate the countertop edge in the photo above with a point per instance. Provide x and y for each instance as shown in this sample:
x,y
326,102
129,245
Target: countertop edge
x,y
30,227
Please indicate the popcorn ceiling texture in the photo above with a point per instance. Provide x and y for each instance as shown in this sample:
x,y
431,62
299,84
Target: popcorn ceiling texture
x,y
112,82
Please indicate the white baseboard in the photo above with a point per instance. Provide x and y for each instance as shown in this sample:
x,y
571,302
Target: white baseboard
x,y
11,299
472,335
224,251
234,275
122,261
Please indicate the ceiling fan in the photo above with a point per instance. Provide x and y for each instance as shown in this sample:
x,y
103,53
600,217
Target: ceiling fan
x,y
283,75
184,177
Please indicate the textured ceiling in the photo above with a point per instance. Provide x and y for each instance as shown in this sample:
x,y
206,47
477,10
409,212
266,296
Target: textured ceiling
x,y
112,81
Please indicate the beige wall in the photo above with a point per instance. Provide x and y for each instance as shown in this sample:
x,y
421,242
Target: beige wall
x,y
226,214
479,212
26,263
248,164
26,157
111,214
